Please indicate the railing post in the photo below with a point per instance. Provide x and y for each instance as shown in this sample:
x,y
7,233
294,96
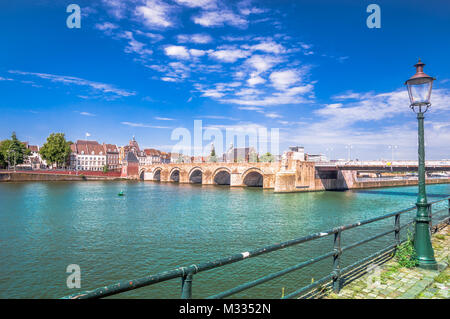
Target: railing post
x,y
397,230
337,262
186,286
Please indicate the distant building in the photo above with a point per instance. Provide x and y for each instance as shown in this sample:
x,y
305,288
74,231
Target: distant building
x,y
153,156
198,159
180,158
34,159
298,153
87,156
175,157
242,154
130,166
316,158
165,157
112,156
141,157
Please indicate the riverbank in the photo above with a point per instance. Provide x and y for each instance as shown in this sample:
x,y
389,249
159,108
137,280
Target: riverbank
x,y
31,176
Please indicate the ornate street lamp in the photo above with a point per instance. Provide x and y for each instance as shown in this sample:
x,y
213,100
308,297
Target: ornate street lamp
x,y
419,90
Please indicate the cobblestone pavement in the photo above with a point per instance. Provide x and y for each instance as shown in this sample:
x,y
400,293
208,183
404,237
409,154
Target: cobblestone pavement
x,y
389,280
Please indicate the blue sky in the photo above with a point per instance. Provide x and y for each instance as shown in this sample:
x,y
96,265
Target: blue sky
x,y
313,69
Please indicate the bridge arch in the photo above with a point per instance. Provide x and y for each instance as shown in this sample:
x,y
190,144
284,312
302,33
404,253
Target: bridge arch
x,y
253,177
142,174
222,176
157,174
174,175
195,175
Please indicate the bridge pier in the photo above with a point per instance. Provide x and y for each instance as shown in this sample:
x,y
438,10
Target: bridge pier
x,y
285,182
236,179
165,175
184,177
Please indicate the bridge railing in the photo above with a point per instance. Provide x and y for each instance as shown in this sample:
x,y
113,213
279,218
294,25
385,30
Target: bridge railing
x,y
438,217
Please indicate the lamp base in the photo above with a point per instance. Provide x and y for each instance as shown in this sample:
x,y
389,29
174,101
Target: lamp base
x,y
428,264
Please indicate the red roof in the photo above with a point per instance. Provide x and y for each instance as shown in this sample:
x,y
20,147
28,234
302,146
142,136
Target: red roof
x,y
89,148
33,148
152,152
110,148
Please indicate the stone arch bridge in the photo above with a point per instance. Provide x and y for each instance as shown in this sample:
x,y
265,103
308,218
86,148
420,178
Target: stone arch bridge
x,y
296,176
233,174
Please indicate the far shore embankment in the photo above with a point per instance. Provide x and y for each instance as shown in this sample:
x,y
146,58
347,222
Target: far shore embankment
x,y
29,176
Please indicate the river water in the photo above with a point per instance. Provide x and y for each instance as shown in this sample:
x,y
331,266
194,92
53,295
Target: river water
x,y
45,226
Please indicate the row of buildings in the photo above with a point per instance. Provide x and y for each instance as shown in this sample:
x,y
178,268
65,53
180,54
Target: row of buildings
x,y
93,156
87,155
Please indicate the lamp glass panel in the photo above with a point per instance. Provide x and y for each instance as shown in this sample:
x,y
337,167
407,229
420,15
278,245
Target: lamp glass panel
x,y
419,92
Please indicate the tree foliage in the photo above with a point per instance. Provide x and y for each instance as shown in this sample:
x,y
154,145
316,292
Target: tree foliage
x,y
13,152
56,150
267,157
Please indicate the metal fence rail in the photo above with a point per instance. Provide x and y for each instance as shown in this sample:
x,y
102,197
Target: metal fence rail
x,y
187,273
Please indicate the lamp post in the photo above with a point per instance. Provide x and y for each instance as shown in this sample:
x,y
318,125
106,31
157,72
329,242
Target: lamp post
x,y
349,147
419,90
392,147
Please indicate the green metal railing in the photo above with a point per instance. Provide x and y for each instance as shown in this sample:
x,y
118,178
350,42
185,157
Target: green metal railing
x,y
187,273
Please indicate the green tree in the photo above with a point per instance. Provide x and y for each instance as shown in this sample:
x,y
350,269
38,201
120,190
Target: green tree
x,y
13,152
56,150
253,157
3,162
267,157
105,168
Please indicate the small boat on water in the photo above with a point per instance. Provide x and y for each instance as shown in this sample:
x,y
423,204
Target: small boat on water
x,y
121,193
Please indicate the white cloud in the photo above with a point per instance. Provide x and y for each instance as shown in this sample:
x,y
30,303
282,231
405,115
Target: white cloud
x,y
97,86
255,79
163,118
154,37
155,14
212,93
145,125
229,55
270,100
115,7
267,46
250,108
169,79
134,46
219,117
196,52
87,114
177,51
205,4
199,38
106,26
249,92
262,63
283,79
220,18
272,115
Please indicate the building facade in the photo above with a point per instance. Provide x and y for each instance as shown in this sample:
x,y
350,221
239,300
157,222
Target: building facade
x,y
87,156
112,156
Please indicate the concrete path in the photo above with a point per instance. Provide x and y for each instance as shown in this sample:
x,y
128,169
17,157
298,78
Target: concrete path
x,y
390,281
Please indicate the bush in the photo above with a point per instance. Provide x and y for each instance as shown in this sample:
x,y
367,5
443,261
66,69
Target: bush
x,y
406,254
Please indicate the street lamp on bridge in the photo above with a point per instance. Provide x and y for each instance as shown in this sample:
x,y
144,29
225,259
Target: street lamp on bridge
x,y
419,90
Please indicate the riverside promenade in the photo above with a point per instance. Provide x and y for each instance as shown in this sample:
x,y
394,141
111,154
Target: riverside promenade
x,y
390,281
